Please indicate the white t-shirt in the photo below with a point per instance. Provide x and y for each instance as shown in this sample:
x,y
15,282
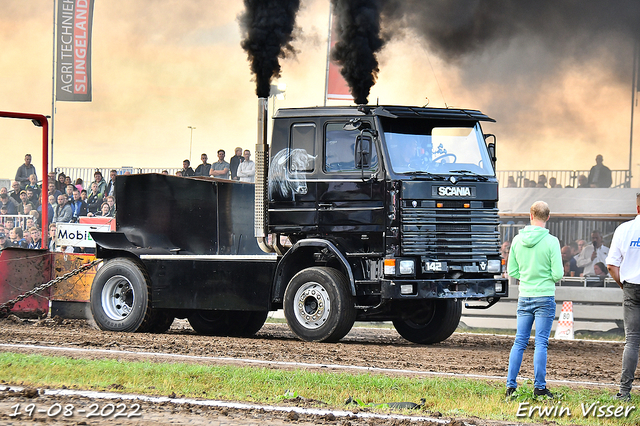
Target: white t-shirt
x,y
247,171
625,251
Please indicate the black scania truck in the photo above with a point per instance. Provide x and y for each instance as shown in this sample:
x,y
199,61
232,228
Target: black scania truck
x,y
384,213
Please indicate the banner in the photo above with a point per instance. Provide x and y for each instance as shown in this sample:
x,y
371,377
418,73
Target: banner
x,y
78,234
337,87
73,56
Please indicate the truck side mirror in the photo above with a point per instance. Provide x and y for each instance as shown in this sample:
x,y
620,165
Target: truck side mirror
x,y
363,152
491,147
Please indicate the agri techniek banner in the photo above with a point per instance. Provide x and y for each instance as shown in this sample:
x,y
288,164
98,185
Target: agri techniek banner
x,y
73,56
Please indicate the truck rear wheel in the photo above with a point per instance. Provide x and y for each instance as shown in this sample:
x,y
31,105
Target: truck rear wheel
x,y
318,305
120,297
433,322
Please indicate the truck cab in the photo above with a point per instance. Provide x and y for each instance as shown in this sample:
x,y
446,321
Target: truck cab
x,y
402,201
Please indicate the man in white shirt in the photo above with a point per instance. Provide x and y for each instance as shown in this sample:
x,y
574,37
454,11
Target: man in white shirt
x,y
247,169
623,264
592,254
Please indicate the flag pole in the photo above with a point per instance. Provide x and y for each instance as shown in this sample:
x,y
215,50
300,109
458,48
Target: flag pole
x,y
53,85
634,88
326,78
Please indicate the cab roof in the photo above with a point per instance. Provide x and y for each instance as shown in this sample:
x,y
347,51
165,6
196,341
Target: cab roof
x,y
391,111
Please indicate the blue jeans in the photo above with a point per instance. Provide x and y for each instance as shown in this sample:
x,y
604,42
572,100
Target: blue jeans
x,y
543,311
631,315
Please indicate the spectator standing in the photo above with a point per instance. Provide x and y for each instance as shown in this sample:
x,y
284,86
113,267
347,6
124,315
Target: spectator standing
x,y
5,201
52,236
599,175
102,185
592,254
63,212
78,207
511,182
24,171
187,171
111,202
52,190
111,185
60,185
33,184
220,169
623,263
553,183
504,253
247,169
79,184
17,238
94,200
542,181
15,185
567,257
35,238
536,261
235,162
203,169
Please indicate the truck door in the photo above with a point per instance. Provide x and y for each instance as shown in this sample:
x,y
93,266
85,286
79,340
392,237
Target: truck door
x,y
350,197
292,194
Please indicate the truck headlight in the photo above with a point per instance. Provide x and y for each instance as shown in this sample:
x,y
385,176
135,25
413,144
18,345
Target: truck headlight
x,y
494,265
407,267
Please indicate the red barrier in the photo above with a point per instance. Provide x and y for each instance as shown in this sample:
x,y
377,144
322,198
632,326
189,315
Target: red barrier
x,y
22,270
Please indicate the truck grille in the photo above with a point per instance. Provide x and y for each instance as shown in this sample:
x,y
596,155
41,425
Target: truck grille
x,y
450,233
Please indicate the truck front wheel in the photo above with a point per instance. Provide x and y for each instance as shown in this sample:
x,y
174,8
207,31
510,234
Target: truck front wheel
x,y
318,305
120,297
431,322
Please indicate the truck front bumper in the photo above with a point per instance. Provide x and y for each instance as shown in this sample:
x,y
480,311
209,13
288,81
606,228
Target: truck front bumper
x,y
474,289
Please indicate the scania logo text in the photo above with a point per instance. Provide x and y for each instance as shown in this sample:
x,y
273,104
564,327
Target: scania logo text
x,y
454,191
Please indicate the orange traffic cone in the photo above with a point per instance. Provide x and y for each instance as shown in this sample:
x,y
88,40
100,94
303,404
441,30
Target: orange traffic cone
x,y
564,330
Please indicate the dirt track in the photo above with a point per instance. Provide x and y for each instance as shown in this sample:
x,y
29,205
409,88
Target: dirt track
x,y
597,362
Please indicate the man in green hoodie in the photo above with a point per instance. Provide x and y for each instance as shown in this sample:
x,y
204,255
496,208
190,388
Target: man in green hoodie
x,y
536,261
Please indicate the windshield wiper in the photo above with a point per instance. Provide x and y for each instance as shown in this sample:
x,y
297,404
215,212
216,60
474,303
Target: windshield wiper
x,y
425,174
470,173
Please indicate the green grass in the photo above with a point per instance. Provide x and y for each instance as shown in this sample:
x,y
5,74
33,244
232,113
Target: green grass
x,y
449,396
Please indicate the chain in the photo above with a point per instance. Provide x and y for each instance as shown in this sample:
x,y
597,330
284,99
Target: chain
x,y
8,305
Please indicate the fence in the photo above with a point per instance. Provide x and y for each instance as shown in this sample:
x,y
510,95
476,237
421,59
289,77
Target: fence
x,y
19,220
566,229
86,173
566,178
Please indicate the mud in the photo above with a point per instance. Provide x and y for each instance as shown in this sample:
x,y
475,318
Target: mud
x,y
484,355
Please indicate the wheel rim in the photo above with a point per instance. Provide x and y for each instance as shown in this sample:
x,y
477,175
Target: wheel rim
x,y
117,297
312,305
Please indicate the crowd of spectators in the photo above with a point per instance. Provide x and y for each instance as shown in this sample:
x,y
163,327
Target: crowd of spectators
x,y
599,177
579,258
67,199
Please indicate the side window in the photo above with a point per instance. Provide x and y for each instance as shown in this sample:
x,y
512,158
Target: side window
x,y
340,150
303,138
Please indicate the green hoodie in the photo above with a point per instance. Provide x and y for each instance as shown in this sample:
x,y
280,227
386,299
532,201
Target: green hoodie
x,y
536,261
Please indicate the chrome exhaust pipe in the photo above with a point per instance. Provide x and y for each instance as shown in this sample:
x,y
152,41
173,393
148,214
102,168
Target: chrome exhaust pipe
x,y
261,223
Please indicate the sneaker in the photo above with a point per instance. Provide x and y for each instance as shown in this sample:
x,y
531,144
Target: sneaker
x,y
542,392
510,391
625,397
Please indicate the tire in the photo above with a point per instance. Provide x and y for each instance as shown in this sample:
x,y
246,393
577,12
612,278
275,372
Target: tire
x,y
121,295
255,322
432,322
160,323
318,305
218,323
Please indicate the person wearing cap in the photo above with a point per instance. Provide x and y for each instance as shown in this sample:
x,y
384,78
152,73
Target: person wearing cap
x,y
24,203
102,185
24,171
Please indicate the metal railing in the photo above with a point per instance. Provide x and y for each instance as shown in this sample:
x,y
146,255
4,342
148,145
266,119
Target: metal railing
x,y
566,178
19,220
567,229
86,173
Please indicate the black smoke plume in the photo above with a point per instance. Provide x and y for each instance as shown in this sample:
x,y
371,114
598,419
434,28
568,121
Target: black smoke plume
x,y
359,39
268,34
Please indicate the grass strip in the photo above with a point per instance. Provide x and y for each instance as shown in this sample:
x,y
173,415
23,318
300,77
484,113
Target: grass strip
x,y
449,396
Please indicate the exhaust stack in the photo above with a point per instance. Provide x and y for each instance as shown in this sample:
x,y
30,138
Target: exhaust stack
x,y
262,174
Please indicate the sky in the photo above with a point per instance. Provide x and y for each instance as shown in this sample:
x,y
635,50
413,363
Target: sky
x,y
161,66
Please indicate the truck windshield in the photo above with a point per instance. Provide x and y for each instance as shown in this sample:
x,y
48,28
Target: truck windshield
x,y
447,148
